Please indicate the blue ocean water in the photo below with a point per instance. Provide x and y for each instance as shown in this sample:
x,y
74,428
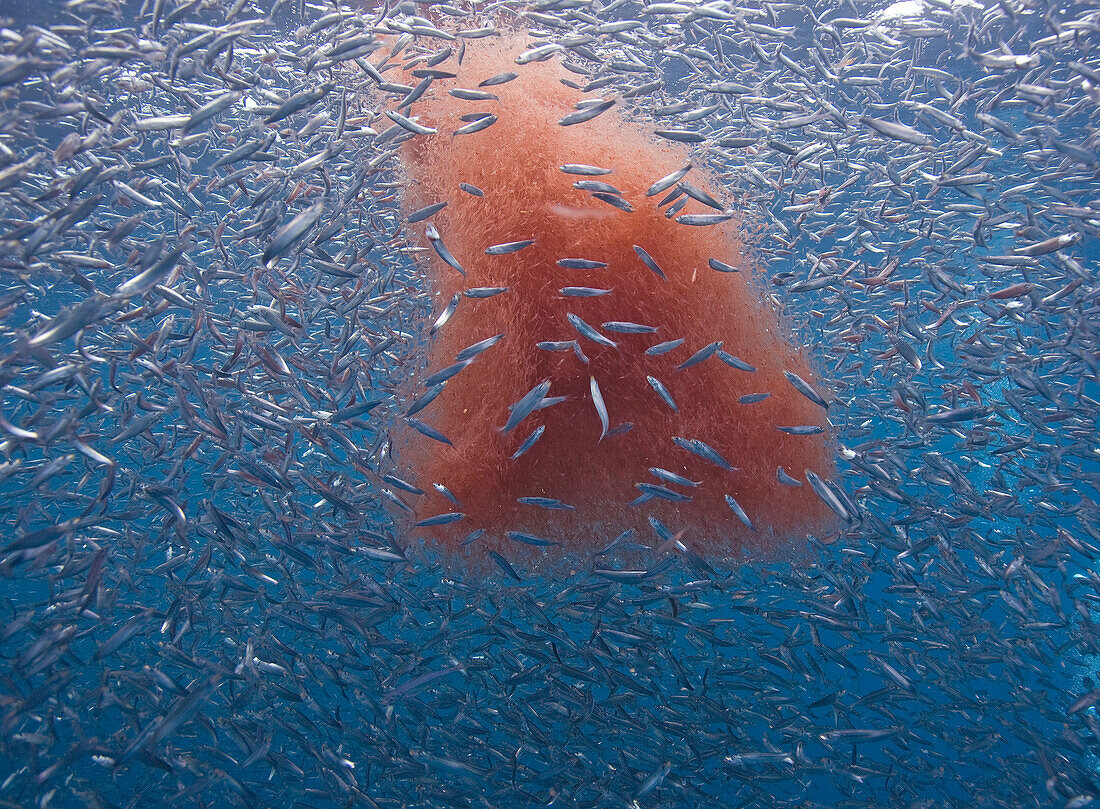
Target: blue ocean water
x,y
208,600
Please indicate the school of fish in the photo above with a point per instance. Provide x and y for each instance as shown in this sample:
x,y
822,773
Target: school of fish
x,y
215,584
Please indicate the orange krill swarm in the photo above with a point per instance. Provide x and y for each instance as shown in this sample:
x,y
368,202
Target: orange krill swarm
x,y
582,482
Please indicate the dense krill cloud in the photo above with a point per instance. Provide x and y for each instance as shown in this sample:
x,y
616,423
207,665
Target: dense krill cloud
x,y
229,577
609,366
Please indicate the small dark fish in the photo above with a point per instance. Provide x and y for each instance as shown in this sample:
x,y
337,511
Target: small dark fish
x,y
828,496
426,212
245,150
596,186
298,102
508,247
478,348
664,183
402,484
601,407
354,411
584,170
409,125
292,232
803,387
440,519
124,634
895,131
736,362
663,493
584,292
473,95
429,431
735,507
580,264
504,565
664,348
1049,245
529,539
654,781
417,684
74,319
547,503
802,430
480,123
614,200
704,219
704,353
442,375
585,330
679,136
446,314
499,78
1086,700
143,282
442,251
958,414
721,266
529,441
211,108
704,451
526,405
649,261
587,113
424,399
626,327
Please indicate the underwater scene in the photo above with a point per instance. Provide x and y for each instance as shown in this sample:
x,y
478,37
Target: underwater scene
x,y
567,403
